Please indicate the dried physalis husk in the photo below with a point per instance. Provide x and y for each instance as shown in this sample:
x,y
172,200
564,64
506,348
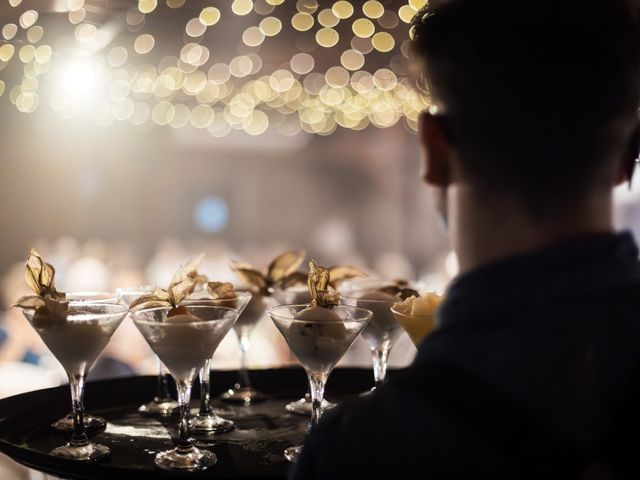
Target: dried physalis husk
x,y
224,293
182,285
322,294
278,270
340,273
399,288
295,279
50,305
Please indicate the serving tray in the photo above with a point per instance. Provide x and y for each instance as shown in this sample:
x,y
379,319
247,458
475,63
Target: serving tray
x,y
254,450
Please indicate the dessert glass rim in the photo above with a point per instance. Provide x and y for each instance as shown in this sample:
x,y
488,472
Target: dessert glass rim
x,y
118,308
135,314
351,296
397,312
272,310
135,288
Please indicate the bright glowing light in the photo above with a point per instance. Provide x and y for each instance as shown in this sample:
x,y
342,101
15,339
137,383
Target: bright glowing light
x,y
79,77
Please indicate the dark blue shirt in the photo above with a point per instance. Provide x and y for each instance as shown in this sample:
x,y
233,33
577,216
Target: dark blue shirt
x,y
533,372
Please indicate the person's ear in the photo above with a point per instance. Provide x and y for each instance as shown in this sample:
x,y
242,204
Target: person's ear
x,y
628,164
436,150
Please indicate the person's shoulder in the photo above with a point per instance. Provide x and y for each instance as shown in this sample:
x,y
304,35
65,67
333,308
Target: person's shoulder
x,y
399,428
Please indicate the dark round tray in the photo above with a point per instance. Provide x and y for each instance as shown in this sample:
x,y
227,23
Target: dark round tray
x,y
253,450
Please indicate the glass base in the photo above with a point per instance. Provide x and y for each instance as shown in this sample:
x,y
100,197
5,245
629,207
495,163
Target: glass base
x,y
211,423
368,392
292,453
90,423
159,407
303,406
187,460
90,451
242,395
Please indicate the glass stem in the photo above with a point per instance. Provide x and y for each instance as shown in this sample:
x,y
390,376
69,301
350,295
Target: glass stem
x,y
243,380
184,396
163,383
79,436
205,389
379,356
317,381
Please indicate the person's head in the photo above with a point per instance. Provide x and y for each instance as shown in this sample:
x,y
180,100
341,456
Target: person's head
x,y
537,101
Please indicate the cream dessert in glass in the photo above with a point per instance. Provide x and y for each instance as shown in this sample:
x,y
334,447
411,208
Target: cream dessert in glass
x,y
319,334
91,422
184,338
223,295
183,284
260,284
383,329
76,333
162,405
417,315
76,340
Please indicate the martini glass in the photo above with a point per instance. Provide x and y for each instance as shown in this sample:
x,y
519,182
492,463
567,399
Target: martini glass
x,y
297,295
91,422
380,333
76,343
207,421
162,404
318,345
184,343
416,326
242,392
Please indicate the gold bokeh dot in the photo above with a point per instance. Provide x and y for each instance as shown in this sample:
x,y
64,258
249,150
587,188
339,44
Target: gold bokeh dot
x,y
363,45
147,6
9,31
253,36
307,6
202,116
270,26
85,32
389,20
162,113
337,77
406,13
302,63
27,53
342,9
417,4
117,56
74,5
327,18
302,21
256,123
261,7
43,54
195,28
327,37
373,9
28,18
175,3
352,59
242,7
35,34
383,42
6,52
275,2
77,16
15,3
209,16
219,73
363,27
144,44
2,87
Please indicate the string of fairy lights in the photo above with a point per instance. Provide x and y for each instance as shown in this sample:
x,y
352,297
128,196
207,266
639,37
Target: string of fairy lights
x,y
120,73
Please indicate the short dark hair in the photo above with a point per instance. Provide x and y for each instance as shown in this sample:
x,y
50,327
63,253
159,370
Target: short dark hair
x,y
539,97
